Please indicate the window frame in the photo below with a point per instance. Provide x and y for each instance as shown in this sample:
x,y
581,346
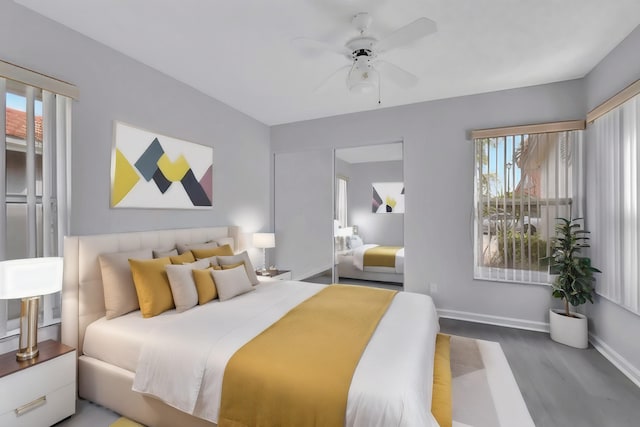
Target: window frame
x,y
504,273
48,202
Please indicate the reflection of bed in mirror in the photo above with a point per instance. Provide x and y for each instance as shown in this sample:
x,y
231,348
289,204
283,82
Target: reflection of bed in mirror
x,y
371,261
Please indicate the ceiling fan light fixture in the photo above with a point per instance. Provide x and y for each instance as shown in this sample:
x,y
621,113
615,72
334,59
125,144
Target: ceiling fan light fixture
x,y
363,77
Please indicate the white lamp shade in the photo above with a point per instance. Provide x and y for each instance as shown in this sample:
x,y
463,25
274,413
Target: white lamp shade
x,y
22,278
264,240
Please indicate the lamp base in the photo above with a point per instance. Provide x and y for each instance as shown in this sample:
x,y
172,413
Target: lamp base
x,y
28,348
27,355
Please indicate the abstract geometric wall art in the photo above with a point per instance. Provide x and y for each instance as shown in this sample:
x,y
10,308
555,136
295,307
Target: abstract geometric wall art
x,y
388,197
150,170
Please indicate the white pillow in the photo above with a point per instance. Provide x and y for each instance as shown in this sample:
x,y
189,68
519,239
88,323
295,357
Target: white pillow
x,y
241,257
232,282
183,287
355,241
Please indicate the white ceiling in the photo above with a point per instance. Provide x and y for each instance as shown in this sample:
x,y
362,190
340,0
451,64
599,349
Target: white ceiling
x,y
240,52
371,153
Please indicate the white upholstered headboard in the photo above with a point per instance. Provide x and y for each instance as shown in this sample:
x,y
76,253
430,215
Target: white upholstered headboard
x,y
82,294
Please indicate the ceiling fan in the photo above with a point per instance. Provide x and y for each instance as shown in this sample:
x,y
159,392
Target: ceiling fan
x,y
364,54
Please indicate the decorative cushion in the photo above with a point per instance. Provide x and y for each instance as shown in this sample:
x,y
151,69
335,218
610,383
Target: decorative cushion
x,y
231,283
184,247
119,291
230,266
355,242
184,258
183,287
241,257
205,286
165,253
152,285
226,241
207,253
213,260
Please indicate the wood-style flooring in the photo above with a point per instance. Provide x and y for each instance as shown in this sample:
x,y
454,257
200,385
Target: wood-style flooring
x,y
562,386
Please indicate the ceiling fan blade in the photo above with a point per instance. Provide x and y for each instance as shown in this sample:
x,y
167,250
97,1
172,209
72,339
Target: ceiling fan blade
x,y
419,28
326,82
307,45
396,74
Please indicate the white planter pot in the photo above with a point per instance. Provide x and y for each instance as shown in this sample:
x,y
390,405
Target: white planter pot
x,y
571,331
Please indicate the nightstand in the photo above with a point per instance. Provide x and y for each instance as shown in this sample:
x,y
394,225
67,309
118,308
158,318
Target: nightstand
x,y
274,275
40,391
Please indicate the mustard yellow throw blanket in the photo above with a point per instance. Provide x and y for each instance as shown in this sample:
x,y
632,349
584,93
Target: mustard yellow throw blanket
x,y
298,371
381,256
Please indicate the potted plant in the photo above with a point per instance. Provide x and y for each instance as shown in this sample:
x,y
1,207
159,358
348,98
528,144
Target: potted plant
x,y
573,282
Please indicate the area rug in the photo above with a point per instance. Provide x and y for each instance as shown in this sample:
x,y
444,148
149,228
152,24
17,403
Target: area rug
x,y
125,422
484,391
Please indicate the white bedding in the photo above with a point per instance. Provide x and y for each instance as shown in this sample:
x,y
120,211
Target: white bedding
x,y
382,392
358,261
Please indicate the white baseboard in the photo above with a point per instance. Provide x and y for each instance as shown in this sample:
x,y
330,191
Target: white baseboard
x,y
616,359
494,320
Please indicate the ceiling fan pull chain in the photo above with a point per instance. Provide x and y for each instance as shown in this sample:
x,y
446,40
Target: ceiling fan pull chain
x,y
379,83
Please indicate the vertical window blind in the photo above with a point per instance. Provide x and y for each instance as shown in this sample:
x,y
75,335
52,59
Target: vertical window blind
x,y
34,140
524,179
613,203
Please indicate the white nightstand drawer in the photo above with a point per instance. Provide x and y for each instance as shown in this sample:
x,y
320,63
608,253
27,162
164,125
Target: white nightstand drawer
x,y
56,405
43,379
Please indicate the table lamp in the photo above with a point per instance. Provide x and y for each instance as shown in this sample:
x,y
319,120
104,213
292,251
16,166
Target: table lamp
x,y
29,279
264,241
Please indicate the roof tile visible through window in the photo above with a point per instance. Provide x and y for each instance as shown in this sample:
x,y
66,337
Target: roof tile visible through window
x,y
17,124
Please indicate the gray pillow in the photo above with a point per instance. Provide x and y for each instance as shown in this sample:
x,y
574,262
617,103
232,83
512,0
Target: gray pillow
x,y
241,257
226,241
231,283
120,295
165,253
184,247
183,287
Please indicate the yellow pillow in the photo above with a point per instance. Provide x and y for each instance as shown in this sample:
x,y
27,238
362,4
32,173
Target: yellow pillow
x,y
441,397
205,286
206,253
152,285
230,266
184,258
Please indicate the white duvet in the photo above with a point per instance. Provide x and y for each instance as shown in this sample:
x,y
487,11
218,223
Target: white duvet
x,y
358,260
182,359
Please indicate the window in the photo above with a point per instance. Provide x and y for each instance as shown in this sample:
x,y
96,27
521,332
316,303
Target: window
x,y
525,177
33,150
613,204
341,201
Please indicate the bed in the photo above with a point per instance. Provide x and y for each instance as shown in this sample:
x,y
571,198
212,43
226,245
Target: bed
x,y
352,262
109,350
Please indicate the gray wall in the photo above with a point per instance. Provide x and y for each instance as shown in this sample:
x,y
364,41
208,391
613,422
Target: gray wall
x,y
115,87
438,176
382,229
304,211
612,326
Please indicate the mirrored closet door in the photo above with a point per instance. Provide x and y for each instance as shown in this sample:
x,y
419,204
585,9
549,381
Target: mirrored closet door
x,y
369,214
